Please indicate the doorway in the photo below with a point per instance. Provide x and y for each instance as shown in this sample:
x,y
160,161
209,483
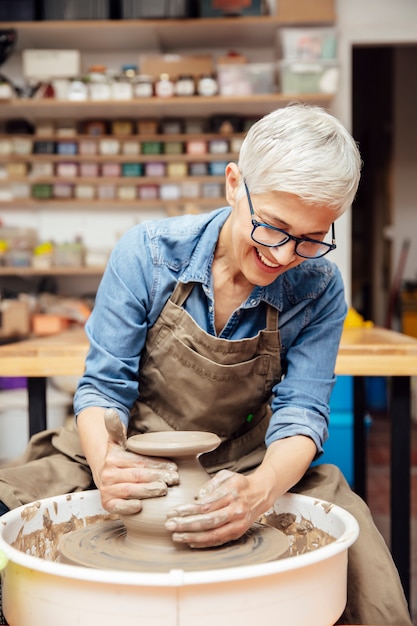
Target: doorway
x,y
372,127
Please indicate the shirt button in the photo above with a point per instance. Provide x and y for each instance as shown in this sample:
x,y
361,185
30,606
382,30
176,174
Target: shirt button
x,y
253,301
211,309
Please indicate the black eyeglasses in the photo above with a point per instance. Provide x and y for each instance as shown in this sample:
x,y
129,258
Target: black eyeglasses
x,y
273,237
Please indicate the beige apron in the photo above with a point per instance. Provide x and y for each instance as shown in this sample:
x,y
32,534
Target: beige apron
x,y
222,386
211,384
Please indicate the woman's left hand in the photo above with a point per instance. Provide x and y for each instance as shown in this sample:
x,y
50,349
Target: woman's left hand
x,y
223,511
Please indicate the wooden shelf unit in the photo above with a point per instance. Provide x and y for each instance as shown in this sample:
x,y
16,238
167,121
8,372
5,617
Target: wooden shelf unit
x,y
258,33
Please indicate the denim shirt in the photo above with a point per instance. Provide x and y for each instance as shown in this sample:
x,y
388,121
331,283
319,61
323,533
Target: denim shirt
x,y
141,274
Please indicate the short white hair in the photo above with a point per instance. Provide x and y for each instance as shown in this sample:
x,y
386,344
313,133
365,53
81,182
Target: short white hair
x,y
303,150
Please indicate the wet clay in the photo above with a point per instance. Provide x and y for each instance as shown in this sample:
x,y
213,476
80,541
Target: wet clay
x,y
303,535
141,541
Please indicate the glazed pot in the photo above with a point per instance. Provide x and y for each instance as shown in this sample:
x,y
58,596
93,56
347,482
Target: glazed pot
x,y
299,590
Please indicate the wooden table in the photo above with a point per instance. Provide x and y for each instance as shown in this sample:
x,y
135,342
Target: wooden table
x,y
363,352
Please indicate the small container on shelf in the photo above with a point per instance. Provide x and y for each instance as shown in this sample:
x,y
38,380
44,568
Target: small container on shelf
x,y
20,191
177,170
111,170
194,125
42,191
95,128
236,144
207,85
77,90
184,85
190,189
122,84
196,146
132,169
143,86
198,169
89,170
87,147
155,169
106,192
169,191
67,170
308,44
44,128
69,148
6,147
69,254
148,192
43,147
308,77
152,147
172,126
131,147
99,83
164,86
126,192
148,127
122,127
22,146
62,190
16,170
109,146
41,169
217,168
173,147
212,190
218,146
85,192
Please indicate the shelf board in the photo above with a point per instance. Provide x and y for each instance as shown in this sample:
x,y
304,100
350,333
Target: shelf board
x,y
157,35
193,106
116,158
171,206
51,271
113,180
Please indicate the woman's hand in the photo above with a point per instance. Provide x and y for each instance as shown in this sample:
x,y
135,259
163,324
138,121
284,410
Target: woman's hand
x,y
124,478
224,510
230,503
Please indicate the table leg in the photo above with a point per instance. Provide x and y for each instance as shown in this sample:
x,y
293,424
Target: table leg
x,y
359,436
37,404
400,414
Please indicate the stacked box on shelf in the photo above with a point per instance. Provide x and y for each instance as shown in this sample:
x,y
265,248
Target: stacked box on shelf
x,y
76,9
309,60
150,9
18,10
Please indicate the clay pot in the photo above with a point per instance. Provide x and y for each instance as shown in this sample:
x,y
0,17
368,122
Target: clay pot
x,y
184,448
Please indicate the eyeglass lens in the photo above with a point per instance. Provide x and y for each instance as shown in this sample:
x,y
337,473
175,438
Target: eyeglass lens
x,y
272,237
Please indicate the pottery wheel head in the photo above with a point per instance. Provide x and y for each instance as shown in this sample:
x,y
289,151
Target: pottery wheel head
x,y
106,546
173,443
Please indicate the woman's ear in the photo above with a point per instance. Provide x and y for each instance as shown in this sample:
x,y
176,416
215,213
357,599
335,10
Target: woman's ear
x,y
232,179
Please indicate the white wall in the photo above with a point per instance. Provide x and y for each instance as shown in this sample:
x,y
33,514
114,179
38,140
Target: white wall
x,y
384,22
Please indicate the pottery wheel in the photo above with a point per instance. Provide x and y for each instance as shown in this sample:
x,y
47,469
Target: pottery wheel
x,y
105,545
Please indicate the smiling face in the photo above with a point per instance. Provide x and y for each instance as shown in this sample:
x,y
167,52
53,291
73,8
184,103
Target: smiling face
x,y
258,264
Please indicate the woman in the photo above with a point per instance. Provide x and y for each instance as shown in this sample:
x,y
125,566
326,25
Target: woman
x,y
230,322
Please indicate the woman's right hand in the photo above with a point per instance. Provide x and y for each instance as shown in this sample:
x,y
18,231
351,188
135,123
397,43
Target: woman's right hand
x,y
125,478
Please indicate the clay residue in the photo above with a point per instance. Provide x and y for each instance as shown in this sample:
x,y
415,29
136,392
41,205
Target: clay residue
x,y
303,535
44,543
